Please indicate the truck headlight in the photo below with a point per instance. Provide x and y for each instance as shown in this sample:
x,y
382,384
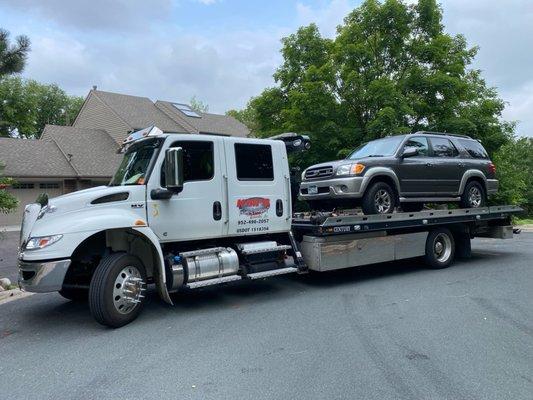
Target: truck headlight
x,y
303,175
350,169
40,242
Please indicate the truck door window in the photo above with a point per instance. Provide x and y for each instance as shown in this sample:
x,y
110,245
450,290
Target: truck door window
x,y
198,161
421,143
442,147
254,162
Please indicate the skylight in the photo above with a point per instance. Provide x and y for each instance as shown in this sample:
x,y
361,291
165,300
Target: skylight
x,y
187,110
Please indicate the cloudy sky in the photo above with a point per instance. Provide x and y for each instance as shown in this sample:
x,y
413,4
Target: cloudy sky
x,y
225,51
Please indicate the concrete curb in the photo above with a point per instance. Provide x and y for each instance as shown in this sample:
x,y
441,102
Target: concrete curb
x,y
13,294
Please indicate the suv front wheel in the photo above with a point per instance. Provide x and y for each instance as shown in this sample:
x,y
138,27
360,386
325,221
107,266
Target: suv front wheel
x,y
474,195
379,198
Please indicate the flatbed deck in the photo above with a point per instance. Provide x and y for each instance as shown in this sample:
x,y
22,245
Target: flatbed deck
x,y
327,224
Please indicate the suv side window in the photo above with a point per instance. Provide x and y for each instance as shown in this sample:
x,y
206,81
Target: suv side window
x,y
421,143
474,148
254,162
198,161
443,147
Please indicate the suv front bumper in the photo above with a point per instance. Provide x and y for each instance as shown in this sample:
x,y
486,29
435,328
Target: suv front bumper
x,y
337,188
41,277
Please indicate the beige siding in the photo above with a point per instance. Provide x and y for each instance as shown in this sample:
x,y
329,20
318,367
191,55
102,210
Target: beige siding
x,y
97,115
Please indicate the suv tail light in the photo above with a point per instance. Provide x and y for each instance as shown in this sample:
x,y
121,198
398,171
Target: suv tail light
x,y
492,168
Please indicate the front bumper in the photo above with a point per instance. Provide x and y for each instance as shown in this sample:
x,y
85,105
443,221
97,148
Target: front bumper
x,y
337,188
41,277
492,186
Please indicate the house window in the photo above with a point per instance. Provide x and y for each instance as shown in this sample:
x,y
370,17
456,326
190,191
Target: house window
x,y
254,162
49,185
23,185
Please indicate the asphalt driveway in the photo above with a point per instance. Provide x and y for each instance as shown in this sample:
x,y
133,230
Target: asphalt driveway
x,y
8,255
387,331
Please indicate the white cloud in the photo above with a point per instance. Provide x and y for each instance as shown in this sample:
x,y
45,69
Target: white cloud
x,y
327,17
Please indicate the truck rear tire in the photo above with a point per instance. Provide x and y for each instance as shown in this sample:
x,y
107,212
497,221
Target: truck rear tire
x,y
440,248
116,291
379,198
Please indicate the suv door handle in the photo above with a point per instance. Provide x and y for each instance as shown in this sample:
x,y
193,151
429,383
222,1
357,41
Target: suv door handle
x,y
217,211
429,164
461,164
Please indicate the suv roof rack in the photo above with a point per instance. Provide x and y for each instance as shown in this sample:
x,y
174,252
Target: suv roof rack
x,y
441,133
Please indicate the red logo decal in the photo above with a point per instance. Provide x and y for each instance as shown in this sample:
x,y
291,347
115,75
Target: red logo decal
x,y
253,206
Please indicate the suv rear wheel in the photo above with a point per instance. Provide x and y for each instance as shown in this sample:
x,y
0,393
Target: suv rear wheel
x,y
473,196
379,198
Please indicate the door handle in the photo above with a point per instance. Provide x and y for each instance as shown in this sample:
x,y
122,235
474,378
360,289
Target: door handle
x,y
279,207
429,164
217,211
461,164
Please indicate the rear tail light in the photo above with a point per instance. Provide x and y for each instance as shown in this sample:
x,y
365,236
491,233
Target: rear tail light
x,y
492,168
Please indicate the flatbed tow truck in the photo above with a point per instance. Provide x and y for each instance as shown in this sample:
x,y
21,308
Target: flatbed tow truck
x,y
187,211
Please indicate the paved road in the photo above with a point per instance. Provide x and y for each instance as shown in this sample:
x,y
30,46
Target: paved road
x,y
391,331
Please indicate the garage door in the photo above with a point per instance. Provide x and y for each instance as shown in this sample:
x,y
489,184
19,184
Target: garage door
x,y
26,193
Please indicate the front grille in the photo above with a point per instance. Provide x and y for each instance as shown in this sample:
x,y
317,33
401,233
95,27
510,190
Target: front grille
x,y
322,172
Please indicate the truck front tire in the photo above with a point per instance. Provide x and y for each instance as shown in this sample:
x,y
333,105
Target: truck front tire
x,y
116,292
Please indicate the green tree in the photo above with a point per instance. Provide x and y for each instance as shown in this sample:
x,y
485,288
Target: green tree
x,y
514,169
7,201
247,116
198,105
390,69
12,57
26,106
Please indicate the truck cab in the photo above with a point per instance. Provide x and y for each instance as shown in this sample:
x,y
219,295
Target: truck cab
x,y
182,210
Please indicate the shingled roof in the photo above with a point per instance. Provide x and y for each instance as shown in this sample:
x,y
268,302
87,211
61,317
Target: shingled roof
x,y
33,158
91,152
138,112
206,123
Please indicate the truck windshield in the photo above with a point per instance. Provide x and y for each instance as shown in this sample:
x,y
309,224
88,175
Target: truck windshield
x,y
134,165
377,148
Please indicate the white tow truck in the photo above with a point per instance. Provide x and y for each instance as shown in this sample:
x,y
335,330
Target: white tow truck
x,y
187,211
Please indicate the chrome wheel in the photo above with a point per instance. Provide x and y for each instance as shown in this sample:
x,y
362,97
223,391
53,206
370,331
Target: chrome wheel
x,y
442,247
128,289
474,197
383,201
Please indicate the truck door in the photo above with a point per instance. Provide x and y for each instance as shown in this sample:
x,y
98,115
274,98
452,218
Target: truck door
x,y
258,187
195,212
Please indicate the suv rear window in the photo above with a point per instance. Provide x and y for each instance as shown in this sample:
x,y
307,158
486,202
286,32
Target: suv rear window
x,y
254,162
474,148
443,147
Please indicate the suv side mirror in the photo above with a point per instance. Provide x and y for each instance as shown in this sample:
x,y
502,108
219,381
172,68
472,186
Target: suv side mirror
x,y
174,169
409,152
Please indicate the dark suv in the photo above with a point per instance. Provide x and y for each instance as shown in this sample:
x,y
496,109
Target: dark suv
x,y
406,171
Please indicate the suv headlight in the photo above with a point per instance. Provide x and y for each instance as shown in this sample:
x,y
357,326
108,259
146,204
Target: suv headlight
x,y
35,243
303,175
350,169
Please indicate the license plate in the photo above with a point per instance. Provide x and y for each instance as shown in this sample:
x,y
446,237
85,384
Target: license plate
x,y
312,190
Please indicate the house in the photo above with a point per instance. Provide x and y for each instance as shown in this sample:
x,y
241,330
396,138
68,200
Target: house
x,y
69,158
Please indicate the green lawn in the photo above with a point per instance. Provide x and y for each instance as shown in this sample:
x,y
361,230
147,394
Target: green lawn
x,y
524,221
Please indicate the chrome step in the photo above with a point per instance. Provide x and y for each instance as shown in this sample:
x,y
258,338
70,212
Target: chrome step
x,y
265,249
273,272
215,281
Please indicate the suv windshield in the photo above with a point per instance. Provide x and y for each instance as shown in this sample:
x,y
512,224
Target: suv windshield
x,y
377,148
134,165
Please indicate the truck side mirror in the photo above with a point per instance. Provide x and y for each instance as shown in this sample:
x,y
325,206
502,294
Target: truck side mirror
x,y
409,152
174,169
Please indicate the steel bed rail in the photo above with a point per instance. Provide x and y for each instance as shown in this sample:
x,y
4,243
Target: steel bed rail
x,y
322,224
